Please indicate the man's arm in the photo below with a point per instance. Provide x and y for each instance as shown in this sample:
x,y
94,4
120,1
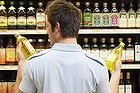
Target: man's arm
x,y
115,76
21,69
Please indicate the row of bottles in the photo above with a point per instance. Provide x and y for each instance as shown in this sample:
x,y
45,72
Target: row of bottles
x,y
125,85
22,17
8,52
102,48
110,18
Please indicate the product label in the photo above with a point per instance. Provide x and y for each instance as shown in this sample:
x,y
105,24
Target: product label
x,y
2,55
114,19
128,88
130,55
86,50
21,21
10,55
131,20
39,50
138,21
87,19
104,53
96,20
95,52
31,21
121,88
137,52
105,19
40,19
123,56
11,86
12,21
3,21
123,21
3,87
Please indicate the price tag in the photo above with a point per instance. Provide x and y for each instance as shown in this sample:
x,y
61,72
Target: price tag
x,y
7,67
22,31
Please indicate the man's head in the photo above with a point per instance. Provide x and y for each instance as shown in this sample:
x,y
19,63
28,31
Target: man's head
x,y
64,18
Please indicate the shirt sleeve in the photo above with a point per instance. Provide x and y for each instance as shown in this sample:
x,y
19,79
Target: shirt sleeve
x,y
27,84
103,86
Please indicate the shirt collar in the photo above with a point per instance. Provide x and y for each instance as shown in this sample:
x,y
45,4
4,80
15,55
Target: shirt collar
x,y
67,47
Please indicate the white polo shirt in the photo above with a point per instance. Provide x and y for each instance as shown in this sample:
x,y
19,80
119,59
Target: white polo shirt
x,y
65,68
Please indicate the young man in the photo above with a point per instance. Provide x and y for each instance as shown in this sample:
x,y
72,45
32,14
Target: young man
x,y
65,68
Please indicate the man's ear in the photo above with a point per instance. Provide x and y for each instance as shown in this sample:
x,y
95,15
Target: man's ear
x,y
57,27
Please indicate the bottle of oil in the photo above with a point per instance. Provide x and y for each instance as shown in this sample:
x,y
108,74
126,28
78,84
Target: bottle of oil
x,y
113,56
3,16
96,16
95,47
31,20
40,16
2,52
111,45
12,20
138,16
114,16
10,52
131,17
87,15
123,17
105,16
27,49
86,46
78,6
21,17
40,45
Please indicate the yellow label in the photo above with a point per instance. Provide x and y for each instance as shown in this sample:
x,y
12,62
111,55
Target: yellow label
x,y
2,55
31,21
131,21
138,21
21,21
12,21
10,55
3,21
123,21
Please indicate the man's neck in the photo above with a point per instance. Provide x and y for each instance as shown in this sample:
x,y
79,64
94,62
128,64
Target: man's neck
x,y
68,41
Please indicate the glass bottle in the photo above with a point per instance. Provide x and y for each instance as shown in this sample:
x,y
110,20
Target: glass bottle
x,y
3,84
138,16
113,56
10,52
21,16
40,45
96,16
105,16
86,46
121,84
12,20
87,15
103,49
123,51
27,49
114,16
95,47
111,45
131,17
40,16
123,17
2,52
31,20
128,84
78,6
3,16
129,51
137,50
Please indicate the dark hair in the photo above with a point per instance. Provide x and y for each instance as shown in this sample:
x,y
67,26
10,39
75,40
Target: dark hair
x,y
68,16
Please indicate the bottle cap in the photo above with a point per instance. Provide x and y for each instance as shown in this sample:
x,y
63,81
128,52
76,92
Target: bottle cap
x,y
122,5
128,75
40,4
111,40
21,3
11,2
122,44
96,4
94,40
77,3
129,39
30,3
1,2
131,5
113,4
105,4
87,3
86,40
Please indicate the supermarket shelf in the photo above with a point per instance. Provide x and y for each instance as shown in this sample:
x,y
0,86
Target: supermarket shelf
x,y
81,31
109,31
124,66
